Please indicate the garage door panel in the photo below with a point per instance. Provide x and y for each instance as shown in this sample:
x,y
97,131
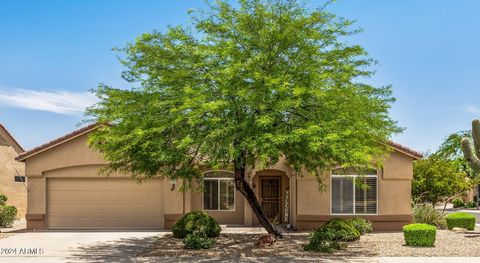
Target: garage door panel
x,y
105,203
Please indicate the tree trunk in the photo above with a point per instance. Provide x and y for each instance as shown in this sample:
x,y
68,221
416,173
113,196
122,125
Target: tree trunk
x,y
244,187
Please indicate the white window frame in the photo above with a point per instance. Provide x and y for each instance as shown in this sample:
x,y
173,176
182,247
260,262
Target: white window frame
x,y
234,193
353,177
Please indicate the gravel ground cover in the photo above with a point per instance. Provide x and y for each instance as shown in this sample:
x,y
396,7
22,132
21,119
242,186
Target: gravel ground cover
x,y
448,243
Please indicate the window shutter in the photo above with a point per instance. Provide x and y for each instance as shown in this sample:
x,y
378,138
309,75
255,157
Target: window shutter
x,y
226,195
366,199
210,196
342,195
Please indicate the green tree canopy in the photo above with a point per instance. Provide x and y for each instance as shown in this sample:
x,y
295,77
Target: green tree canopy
x,y
436,178
242,86
451,149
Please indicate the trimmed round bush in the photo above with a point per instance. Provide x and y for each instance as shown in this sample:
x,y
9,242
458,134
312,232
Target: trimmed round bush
x,y
8,213
460,219
458,202
332,236
361,224
419,235
323,240
194,241
198,223
342,230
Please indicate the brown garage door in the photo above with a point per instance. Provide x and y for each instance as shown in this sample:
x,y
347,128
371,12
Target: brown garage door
x,y
106,203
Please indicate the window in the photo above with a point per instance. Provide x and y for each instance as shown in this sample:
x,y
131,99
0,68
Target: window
x,y
354,193
19,179
219,192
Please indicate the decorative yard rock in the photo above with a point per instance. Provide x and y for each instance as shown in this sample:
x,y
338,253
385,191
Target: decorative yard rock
x,y
266,240
459,230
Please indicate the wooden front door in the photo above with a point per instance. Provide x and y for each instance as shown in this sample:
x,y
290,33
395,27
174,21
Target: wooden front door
x,y
271,196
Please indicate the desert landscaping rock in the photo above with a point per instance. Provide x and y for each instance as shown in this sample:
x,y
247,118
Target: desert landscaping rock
x,y
387,244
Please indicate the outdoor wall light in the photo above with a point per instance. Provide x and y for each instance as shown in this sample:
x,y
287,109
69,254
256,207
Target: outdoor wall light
x,y
173,184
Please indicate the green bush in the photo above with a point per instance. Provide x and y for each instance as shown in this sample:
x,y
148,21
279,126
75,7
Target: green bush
x,y
361,224
460,219
198,223
8,213
426,214
333,234
196,241
323,240
342,230
458,202
471,204
3,199
419,235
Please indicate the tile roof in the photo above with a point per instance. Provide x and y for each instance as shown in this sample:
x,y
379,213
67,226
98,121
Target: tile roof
x,y
405,149
88,128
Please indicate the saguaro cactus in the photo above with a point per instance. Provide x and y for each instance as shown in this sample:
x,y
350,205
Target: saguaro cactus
x,y
473,154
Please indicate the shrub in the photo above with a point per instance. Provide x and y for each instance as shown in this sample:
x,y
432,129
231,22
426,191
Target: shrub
x,y
8,213
198,223
3,199
461,219
342,230
419,235
458,202
427,214
361,224
323,240
471,204
197,241
332,235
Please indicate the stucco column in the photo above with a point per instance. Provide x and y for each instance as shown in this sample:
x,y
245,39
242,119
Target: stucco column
x,y
188,201
293,199
247,214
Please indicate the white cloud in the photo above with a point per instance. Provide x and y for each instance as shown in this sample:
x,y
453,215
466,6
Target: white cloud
x,y
472,109
62,102
468,109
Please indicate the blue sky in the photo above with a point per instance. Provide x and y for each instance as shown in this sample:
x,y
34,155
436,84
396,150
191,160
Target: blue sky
x,y
53,52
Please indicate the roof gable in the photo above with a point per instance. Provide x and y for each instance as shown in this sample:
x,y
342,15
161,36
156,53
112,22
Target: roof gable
x,y
6,139
405,150
87,129
56,142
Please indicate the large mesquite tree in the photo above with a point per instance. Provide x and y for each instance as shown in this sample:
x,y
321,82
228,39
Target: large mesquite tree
x,y
240,87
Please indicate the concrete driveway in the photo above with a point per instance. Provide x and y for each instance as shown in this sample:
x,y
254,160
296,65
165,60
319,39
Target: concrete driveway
x,y
75,246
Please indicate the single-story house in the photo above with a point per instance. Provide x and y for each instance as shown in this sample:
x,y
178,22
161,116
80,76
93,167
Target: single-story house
x,y
12,173
67,192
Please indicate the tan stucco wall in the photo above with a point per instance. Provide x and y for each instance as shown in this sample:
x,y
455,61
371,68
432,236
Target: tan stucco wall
x,y
16,192
307,203
398,166
72,159
310,200
394,194
235,217
72,153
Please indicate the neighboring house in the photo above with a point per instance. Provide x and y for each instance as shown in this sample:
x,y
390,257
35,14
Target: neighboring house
x,y
12,172
67,192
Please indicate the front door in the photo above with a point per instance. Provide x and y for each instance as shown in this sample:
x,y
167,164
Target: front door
x,y
270,195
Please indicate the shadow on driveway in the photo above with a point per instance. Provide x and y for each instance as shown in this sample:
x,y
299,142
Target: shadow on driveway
x,y
121,250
